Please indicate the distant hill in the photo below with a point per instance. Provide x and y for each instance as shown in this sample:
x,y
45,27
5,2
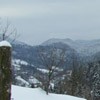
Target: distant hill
x,y
84,47
30,54
26,62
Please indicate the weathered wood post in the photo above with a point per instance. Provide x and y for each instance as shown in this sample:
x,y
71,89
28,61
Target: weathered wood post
x,y
5,70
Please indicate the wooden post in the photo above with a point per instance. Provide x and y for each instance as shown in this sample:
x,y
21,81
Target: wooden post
x,y
5,71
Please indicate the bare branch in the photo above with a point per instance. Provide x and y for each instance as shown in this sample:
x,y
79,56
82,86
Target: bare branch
x,y
7,31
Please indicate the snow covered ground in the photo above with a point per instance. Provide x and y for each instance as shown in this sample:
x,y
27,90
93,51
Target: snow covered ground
x,y
22,93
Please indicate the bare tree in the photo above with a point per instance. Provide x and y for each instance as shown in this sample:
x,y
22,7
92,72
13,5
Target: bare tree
x,y
52,59
7,31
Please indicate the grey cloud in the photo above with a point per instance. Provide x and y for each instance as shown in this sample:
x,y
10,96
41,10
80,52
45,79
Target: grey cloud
x,y
44,19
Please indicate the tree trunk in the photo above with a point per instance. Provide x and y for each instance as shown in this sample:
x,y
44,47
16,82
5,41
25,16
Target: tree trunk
x,y
5,73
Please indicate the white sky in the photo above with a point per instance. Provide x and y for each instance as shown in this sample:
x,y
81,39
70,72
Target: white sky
x,y
39,20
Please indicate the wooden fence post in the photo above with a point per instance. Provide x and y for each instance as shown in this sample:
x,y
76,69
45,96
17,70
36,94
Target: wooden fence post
x,y
5,70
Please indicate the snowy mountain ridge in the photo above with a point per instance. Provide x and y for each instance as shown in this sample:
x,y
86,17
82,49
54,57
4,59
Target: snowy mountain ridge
x,y
84,47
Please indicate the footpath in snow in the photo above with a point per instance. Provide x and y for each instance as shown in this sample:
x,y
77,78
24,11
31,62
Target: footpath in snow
x,y
22,93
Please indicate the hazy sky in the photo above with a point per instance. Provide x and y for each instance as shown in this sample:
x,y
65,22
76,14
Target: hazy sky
x,y
40,20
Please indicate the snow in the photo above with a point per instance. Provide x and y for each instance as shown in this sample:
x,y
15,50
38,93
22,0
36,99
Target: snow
x,y
18,61
43,70
22,93
47,71
16,66
5,43
22,81
33,80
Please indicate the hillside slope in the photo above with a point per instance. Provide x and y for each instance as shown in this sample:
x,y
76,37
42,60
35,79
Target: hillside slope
x,y
22,93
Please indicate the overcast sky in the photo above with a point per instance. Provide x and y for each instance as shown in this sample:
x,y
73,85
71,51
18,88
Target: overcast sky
x,y
40,20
